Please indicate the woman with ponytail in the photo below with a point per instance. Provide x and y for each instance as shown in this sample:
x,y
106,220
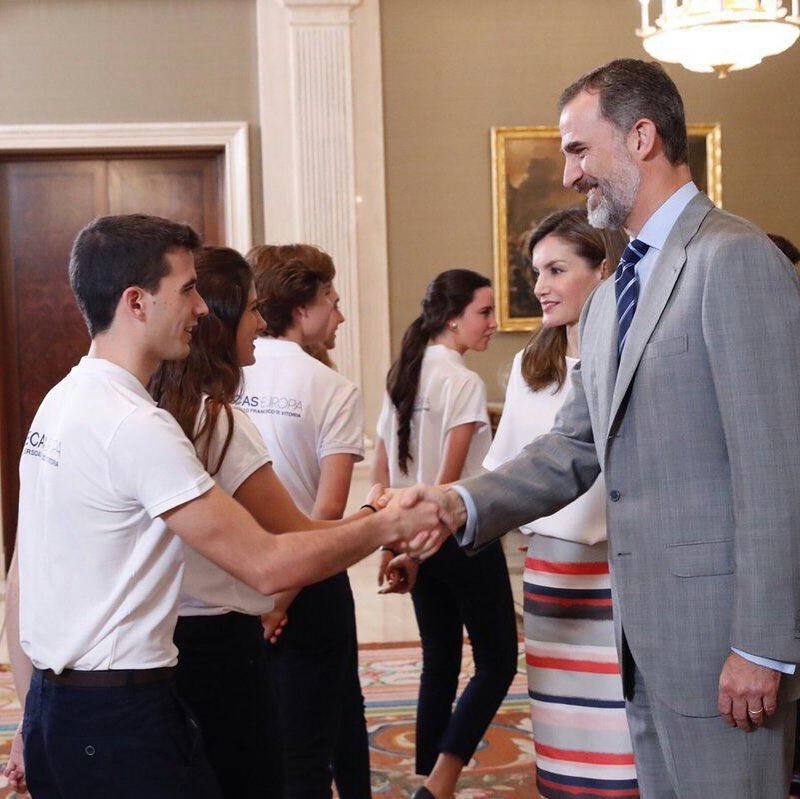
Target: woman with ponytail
x,y
577,707
434,428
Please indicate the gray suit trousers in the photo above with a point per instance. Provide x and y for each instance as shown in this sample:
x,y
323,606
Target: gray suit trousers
x,y
685,757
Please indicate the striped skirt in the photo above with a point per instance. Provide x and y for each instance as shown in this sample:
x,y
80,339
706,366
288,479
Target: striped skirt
x,y
583,748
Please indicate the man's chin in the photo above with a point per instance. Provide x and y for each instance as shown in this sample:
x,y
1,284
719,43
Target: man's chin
x,y
597,216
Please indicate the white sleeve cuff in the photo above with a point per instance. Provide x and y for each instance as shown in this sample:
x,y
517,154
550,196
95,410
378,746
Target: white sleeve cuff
x,y
777,665
467,538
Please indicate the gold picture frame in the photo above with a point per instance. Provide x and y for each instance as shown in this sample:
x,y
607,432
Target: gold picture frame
x,y
527,166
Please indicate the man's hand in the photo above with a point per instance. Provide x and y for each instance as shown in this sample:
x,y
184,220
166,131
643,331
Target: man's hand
x,y
747,693
416,530
452,513
14,771
400,573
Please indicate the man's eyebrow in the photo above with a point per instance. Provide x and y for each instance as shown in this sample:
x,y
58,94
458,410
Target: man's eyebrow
x,y
573,147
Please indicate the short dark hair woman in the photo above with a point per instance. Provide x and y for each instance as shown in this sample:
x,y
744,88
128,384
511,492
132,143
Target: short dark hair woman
x,y
573,674
434,428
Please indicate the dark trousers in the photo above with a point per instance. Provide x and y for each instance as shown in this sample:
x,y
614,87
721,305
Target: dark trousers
x,y
220,675
113,743
452,591
314,676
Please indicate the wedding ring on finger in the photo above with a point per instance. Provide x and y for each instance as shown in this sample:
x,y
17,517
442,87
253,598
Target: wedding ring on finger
x,y
755,713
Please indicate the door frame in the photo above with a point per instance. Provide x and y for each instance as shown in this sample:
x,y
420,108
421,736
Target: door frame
x,y
230,137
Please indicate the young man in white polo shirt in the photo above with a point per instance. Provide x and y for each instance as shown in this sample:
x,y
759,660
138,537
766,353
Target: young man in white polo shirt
x,y
109,489
311,420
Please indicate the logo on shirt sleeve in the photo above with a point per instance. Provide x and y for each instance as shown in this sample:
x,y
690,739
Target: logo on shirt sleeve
x,y
279,406
40,445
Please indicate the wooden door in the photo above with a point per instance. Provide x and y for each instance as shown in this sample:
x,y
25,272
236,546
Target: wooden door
x,y
44,202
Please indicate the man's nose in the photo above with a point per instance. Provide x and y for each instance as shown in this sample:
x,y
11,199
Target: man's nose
x,y
201,309
572,173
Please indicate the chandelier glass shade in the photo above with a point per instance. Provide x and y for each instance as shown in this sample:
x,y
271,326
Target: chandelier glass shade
x,y
719,35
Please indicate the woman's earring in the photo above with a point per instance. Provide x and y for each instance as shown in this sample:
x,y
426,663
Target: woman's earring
x,y
453,325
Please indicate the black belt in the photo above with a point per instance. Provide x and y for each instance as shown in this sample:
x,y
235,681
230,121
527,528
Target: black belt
x,y
112,678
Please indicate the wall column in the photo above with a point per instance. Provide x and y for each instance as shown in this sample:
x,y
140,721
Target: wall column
x,y
322,146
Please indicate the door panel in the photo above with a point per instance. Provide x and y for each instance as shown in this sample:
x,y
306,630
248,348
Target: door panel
x,y
49,202
184,189
44,202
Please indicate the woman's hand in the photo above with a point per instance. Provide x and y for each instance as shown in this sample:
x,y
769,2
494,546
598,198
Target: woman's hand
x,y
14,771
400,573
273,624
374,497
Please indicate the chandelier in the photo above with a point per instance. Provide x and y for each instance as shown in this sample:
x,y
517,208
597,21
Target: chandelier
x,y
719,35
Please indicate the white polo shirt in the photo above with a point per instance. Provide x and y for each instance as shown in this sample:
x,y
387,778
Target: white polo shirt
x,y
100,573
304,412
449,395
207,589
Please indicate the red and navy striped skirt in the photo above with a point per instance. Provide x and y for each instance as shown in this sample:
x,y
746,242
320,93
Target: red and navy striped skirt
x,y
583,748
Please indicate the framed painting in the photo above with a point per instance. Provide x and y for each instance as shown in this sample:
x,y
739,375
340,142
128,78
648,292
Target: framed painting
x,y
527,166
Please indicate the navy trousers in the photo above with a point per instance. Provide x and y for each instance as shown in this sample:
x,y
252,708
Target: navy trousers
x,y
453,591
113,743
221,678
313,672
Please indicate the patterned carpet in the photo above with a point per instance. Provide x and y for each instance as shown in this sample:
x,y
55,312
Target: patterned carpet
x,y
502,767
503,764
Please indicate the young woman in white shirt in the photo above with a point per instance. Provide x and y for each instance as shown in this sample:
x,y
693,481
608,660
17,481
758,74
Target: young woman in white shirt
x,y
577,707
219,631
434,428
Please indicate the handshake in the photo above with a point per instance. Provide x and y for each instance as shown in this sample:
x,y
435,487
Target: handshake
x,y
419,519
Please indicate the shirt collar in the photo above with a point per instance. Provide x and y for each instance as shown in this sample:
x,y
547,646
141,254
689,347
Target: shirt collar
x,y
442,353
279,346
100,366
654,232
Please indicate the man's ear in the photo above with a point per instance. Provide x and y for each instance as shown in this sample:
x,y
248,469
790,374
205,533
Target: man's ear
x,y
642,139
132,301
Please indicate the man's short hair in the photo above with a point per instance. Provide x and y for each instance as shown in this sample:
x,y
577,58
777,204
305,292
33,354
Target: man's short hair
x,y
288,276
116,252
630,90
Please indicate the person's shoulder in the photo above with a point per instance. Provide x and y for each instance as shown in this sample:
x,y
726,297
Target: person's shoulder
x,y
724,229
730,241
150,419
330,379
242,423
462,378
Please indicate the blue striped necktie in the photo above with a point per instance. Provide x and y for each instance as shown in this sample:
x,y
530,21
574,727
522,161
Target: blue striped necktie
x,y
626,287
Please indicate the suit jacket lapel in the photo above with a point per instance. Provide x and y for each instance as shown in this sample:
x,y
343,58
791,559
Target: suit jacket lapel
x,y
657,292
608,329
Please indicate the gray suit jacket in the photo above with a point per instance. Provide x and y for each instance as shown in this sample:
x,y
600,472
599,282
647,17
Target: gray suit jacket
x,y
698,435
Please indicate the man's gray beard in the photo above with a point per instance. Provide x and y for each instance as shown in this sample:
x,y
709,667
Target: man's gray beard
x,y
615,203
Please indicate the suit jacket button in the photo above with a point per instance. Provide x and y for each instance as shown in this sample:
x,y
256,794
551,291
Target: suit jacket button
x,y
614,495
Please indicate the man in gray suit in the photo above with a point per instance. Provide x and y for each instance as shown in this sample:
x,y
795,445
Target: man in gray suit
x,y
687,399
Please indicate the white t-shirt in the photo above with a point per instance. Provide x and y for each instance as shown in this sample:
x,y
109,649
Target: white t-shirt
x,y
528,414
449,395
304,412
207,589
99,571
